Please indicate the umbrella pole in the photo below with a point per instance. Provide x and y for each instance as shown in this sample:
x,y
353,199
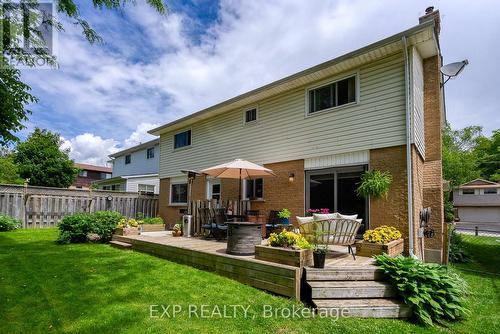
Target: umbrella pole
x,y
239,196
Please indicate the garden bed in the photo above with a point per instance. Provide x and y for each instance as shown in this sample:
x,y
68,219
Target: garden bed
x,y
126,231
288,256
151,227
369,249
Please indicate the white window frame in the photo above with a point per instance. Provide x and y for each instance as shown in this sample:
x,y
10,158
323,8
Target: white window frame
x,y
182,147
210,183
473,190
147,191
174,182
256,115
329,82
244,190
492,193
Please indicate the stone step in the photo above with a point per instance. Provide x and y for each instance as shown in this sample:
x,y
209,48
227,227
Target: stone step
x,y
351,289
358,273
363,308
120,244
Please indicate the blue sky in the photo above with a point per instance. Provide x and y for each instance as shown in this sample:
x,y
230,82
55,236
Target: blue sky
x,y
153,69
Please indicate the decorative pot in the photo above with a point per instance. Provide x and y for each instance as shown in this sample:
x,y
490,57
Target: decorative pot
x,y
319,259
285,221
177,233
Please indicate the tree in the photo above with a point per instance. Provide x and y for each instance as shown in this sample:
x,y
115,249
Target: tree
x,y
41,160
15,95
9,172
488,153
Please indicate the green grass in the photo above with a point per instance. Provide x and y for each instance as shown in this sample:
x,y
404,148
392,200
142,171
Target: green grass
x,y
86,288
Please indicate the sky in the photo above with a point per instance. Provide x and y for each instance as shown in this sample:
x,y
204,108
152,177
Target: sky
x,y
153,69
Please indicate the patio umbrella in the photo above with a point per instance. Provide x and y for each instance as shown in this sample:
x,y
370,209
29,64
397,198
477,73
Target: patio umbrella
x,y
238,169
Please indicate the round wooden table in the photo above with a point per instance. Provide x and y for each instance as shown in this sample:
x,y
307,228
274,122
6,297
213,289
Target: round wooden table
x,y
242,237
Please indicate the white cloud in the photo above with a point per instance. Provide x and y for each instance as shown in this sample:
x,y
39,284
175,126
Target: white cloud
x,y
140,135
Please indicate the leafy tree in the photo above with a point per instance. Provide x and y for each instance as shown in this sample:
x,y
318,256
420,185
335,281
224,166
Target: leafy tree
x,y
488,153
15,95
9,172
41,160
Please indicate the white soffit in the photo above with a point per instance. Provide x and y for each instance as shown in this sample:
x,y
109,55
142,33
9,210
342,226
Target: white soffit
x,y
337,160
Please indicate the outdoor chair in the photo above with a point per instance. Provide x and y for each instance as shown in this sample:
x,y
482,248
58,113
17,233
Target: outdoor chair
x,y
335,231
273,223
206,220
220,227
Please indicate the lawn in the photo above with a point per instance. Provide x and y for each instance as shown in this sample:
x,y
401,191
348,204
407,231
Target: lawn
x,y
87,288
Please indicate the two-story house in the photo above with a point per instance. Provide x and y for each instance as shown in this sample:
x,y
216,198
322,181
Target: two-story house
x,y
135,169
88,174
379,107
477,201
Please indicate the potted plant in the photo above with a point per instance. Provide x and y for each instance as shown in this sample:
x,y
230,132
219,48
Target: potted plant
x,y
374,183
319,250
284,216
127,227
287,248
177,230
153,224
383,239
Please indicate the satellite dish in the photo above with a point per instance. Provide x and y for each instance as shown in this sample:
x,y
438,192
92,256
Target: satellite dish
x,y
454,69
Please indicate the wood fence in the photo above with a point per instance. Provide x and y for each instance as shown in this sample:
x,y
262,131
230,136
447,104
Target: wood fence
x,y
231,205
39,207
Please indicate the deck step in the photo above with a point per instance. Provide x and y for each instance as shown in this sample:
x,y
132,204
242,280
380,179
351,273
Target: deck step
x,y
120,244
358,273
363,308
351,289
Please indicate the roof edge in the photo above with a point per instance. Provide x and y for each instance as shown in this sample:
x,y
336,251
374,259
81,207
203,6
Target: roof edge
x,y
134,148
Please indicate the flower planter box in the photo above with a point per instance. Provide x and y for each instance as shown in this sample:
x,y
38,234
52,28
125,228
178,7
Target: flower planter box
x,y
151,227
369,249
127,231
291,257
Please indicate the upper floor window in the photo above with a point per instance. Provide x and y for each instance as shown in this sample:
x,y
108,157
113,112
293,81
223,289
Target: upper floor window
x,y
128,159
105,176
150,153
468,191
254,188
332,95
251,115
182,139
82,173
490,191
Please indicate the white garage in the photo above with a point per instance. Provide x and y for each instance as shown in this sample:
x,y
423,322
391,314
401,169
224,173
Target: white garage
x,y
479,214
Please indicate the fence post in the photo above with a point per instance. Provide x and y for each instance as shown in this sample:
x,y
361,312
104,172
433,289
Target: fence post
x,y
476,231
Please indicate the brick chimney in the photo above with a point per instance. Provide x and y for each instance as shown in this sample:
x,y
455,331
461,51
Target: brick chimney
x,y
431,14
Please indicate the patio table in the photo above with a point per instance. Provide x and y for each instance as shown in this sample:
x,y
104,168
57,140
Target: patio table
x,y
242,237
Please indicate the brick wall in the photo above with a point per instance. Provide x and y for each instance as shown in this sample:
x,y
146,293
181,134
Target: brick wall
x,y
418,198
433,176
169,214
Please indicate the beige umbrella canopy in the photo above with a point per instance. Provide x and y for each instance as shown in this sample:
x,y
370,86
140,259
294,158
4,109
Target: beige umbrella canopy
x,y
238,169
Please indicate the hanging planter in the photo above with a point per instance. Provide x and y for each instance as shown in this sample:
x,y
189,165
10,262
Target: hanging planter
x,y
375,184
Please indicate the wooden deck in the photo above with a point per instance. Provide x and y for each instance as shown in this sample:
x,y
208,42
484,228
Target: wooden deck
x,y
210,255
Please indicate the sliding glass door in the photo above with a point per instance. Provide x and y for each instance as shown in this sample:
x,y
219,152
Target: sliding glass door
x,y
335,189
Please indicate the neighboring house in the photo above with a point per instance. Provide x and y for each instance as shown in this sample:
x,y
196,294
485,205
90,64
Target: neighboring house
x,y
88,174
379,107
135,169
478,201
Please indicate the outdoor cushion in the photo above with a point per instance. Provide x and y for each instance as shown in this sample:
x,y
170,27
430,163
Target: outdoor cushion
x,y
347,216
302,220
325,216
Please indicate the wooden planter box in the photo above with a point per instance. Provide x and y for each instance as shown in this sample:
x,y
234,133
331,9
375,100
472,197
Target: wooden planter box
x,y
151,227
291,257
369,249
127,231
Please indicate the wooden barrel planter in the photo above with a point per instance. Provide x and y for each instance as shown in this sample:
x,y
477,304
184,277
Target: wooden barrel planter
x,y
242,237
369,249
151,227
291,257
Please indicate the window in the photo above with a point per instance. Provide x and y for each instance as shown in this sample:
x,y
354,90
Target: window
x,y
254,189
213,189
106,188
490,191
105,176
128,159
178,193
182,139
332,95
251,115
146,189
468,191
150,153
115,187
82,173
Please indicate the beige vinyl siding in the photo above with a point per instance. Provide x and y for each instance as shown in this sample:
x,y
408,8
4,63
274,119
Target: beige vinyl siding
x,y
417,70
283,132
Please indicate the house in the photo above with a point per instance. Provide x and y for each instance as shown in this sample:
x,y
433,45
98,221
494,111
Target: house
x,y
135,169
88,174
477,201
379,107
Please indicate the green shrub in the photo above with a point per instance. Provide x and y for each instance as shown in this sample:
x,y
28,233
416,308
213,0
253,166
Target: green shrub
x,y
288,239
84,227
433,293
155,220
8,223
457,253
449,211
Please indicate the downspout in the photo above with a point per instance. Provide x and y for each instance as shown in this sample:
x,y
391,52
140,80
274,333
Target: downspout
x,y
409,166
